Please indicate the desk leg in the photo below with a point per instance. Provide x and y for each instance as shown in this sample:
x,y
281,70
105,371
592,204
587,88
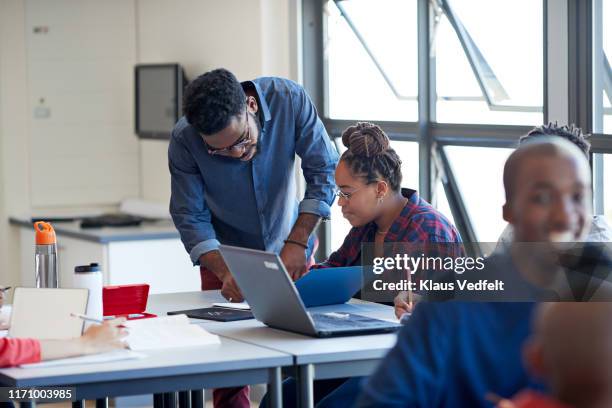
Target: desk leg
x,y
184,399
158,400
78,404
306,386
275,388
197,398
170,400
102,403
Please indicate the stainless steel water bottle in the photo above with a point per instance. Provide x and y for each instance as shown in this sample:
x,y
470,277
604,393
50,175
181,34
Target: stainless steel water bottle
x,y
45,256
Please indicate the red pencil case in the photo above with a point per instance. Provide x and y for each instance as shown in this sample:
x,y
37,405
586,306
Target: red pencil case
x,y
128,301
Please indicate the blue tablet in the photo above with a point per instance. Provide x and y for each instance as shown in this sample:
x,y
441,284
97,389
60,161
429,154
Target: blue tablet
x,y
329,286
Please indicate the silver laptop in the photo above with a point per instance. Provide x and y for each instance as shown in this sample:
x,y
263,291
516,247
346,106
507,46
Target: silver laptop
x,y
275,301
43,313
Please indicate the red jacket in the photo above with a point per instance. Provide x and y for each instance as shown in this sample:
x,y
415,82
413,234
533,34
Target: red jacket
x,y
18,351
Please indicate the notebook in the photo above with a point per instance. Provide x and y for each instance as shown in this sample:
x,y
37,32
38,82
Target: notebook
x,y
166,332
237,306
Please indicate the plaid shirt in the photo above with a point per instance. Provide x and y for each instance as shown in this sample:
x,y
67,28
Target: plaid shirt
x,y
419,222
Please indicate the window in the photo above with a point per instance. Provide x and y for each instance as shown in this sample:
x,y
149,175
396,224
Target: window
x,y
409,153
602,71
489,61
487,86
479,174
371,60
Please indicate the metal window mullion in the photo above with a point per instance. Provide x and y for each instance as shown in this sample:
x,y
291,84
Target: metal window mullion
x,y
395,130
557,61
598,84
313,71
580,95
424,99
601,143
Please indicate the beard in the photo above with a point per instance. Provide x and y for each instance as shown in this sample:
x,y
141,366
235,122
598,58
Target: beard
x,y
254,149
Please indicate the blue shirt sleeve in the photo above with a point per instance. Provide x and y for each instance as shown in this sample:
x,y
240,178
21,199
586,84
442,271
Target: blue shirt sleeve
x,y
319,156
188,207
413,372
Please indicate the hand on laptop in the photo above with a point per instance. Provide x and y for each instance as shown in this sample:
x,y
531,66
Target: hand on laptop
x,y
230,289
294,259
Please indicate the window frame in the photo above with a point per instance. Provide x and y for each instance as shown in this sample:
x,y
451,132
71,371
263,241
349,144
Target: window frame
x,y
573,17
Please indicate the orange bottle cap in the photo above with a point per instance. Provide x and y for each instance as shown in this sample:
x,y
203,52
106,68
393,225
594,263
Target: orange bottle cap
x,y
45,234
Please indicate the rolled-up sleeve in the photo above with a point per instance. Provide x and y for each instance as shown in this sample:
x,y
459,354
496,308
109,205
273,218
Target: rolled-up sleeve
x,y
319,156
188,207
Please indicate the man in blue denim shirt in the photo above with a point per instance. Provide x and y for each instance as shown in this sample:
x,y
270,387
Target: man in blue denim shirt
x,y
231,159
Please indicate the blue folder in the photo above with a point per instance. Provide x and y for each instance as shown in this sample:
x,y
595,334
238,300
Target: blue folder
x,y
329,286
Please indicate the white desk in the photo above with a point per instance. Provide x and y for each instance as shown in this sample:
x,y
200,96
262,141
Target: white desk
x,y
314,358
231,363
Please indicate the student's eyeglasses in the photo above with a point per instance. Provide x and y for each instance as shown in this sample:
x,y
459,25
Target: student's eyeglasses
x,y
347,196
241,143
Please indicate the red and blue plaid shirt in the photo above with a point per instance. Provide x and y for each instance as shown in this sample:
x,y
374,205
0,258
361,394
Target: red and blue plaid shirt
x,y
419,222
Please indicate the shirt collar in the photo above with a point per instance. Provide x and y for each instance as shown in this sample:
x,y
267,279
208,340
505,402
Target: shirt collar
x,y
399,223
261,100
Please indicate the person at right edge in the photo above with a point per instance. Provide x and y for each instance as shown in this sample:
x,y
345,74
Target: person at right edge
x,y
455,354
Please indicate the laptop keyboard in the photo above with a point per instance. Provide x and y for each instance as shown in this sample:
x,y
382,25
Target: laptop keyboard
x,y
344,321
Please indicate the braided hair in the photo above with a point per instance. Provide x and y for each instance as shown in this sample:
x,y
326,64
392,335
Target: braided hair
x,y
369,155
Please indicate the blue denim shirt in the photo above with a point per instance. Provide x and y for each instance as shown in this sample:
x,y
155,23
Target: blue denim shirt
x,y
252,204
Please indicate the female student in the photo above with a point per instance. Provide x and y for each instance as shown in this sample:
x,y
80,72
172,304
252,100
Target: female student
x,y
368,178
96,339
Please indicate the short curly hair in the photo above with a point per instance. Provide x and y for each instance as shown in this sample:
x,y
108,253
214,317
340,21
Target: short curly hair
x,y
571,133
212,100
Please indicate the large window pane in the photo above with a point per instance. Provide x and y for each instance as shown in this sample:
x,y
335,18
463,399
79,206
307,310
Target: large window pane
x,y
356,87
409,153
602,71
479,174
506,43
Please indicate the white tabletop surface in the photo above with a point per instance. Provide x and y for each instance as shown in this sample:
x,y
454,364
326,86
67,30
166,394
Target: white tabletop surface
x,y
305,349
227,356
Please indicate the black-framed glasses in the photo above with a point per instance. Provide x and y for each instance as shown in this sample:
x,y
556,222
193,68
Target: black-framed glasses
x,y
241,143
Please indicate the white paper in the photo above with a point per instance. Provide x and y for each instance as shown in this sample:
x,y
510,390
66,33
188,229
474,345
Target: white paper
x,y
237,306
166,332
90,359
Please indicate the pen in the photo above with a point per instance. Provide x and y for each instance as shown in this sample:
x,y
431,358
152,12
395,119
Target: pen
x,y
92,319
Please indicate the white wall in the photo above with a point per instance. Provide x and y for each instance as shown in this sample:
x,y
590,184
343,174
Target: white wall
x,y
80,56
14,159
250,37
